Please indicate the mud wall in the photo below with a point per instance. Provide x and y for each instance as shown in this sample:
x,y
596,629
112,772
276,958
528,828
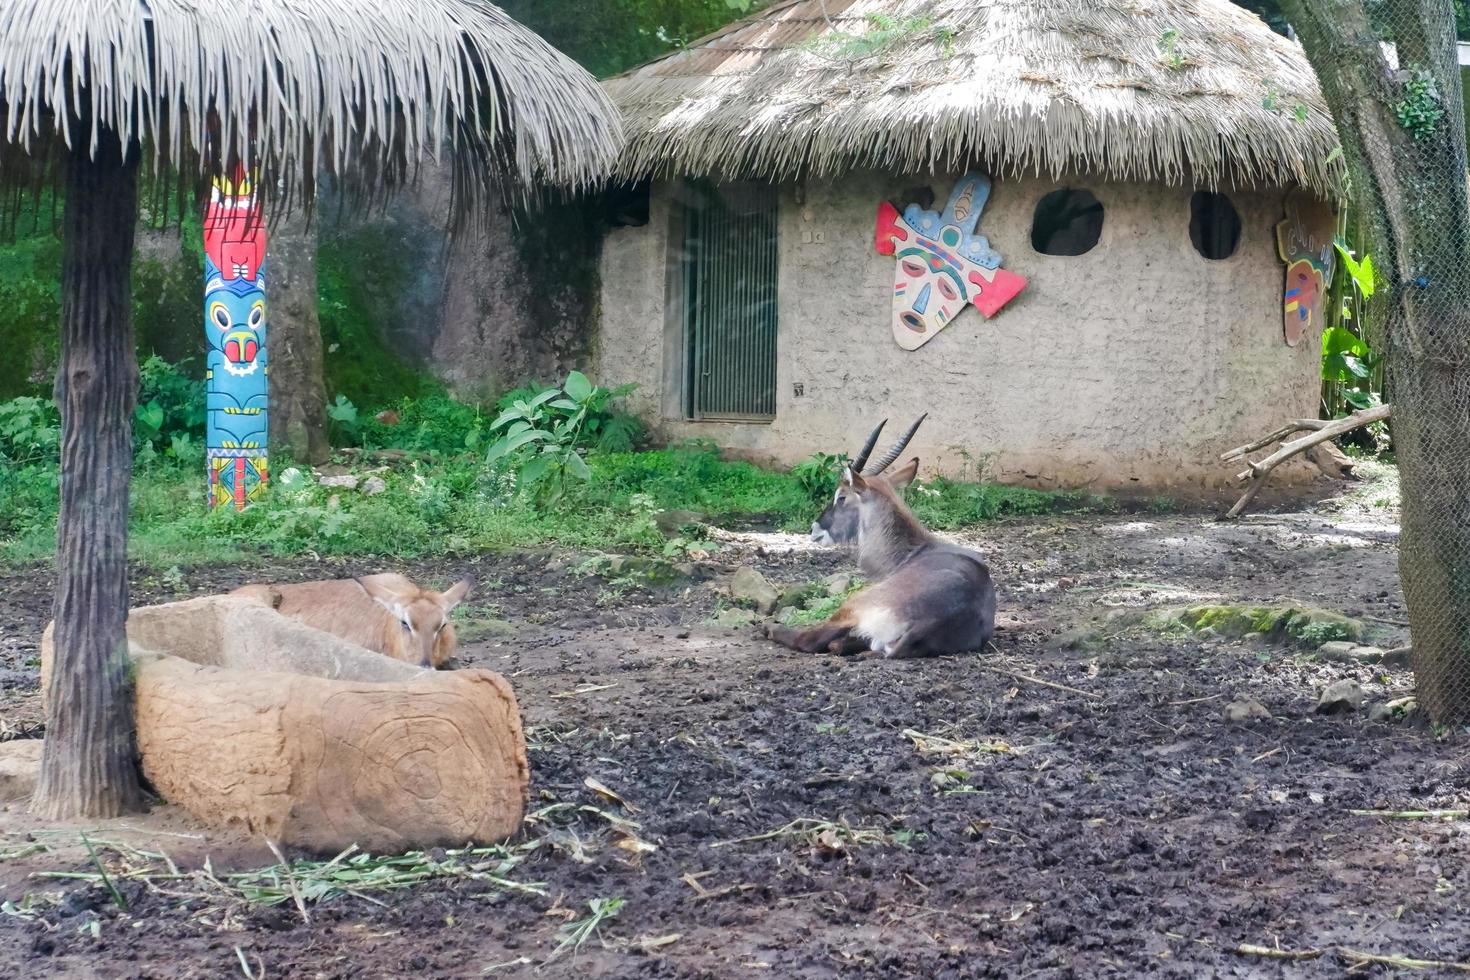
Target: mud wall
x,y
496,305
1136,363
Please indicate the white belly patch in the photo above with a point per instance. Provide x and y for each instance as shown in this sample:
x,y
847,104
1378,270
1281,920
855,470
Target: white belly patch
x,y
880,627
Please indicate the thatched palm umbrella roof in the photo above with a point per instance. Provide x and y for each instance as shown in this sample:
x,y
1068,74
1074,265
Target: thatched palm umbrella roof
x,y
358,88
95,91
1177,90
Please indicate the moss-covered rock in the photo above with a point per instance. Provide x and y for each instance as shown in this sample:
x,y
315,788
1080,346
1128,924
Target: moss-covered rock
x,y
1301,626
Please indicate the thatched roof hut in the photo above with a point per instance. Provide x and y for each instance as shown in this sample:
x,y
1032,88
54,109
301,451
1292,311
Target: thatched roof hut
x,y
1116,171
1170,90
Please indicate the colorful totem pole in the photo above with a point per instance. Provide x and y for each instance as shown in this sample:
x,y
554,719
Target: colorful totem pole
x,y
234,322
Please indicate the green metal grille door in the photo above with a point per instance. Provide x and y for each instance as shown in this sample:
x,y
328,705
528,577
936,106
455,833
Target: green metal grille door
x,y
729,269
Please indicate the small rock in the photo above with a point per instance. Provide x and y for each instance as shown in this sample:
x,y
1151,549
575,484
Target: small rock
x,y
837,584
686,569
794,595
1397,657
1339,650
1389,712
20,767
751,586
1245,709
373,486
347,480
735,618
671,522
1340,698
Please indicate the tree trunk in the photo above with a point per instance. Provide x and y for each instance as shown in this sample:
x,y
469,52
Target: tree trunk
x,y
1410,191
298,416
88,767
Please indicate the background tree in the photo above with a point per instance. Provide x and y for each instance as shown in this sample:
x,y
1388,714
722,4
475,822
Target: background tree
x,y
613,35
1404,145
298,393
97,91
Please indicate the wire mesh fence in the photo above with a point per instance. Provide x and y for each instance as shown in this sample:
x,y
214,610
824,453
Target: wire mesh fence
x,y
1390,69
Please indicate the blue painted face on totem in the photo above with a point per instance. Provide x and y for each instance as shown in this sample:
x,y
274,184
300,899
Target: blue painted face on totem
x,y
235,325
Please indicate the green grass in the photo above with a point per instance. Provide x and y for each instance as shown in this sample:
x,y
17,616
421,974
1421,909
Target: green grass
x,y
446,501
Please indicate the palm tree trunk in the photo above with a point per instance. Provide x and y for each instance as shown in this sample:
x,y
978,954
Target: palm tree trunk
x,y
88,765
298,414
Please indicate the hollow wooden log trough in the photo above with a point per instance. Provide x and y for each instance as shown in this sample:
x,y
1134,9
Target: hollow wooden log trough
x,y
247,718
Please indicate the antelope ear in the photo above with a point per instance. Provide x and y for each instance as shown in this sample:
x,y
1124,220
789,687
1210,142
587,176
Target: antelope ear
x,y
901,479
456,593
854,479
384,597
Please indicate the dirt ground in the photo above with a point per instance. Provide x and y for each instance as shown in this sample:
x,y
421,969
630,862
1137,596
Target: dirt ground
x,y
1115,825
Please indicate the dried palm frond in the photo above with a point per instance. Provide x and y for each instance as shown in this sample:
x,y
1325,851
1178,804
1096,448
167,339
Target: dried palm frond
x,y
1172,90
359,89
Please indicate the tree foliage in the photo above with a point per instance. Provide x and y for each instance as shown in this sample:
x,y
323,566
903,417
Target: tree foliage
x,y
614,35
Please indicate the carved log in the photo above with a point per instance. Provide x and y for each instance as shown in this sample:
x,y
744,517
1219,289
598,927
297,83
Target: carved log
x,y
247,718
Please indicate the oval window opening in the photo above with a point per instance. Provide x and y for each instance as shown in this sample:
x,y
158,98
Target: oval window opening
x,y
1214,225
1066,222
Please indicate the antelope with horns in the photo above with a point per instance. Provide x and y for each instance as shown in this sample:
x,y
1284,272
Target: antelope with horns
x,y
929,597
386,613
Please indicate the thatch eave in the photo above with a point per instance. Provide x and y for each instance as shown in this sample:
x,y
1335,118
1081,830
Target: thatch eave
x,y
1026,86
358,89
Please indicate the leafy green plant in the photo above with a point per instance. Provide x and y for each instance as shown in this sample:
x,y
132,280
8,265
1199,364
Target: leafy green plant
x,y
434,424
818,475
170,412
30,431
1169,48
883,32
543,438
344,418
1421,109
1361,272
1348,360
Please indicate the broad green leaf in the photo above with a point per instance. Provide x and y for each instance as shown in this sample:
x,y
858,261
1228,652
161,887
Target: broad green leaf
x,y
507,416
565,404
577,386
522,438
1336,340
535,470
577,466
1361,272
343,411
544,397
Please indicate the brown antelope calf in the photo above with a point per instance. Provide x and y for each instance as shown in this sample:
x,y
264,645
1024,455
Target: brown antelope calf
x,y
930,597
386,613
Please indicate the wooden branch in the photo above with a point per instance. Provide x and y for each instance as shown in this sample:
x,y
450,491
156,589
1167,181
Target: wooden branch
x,y
1258,471
1281,433
1250,949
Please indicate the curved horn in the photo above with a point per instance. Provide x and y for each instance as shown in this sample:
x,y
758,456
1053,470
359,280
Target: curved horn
x,y
898,447
862,458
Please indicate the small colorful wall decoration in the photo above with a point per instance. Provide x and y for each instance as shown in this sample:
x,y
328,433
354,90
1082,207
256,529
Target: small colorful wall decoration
x,y
1304,241
235,325
943,266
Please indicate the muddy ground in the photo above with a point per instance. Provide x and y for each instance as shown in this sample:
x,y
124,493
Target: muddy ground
x,y
1116,825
